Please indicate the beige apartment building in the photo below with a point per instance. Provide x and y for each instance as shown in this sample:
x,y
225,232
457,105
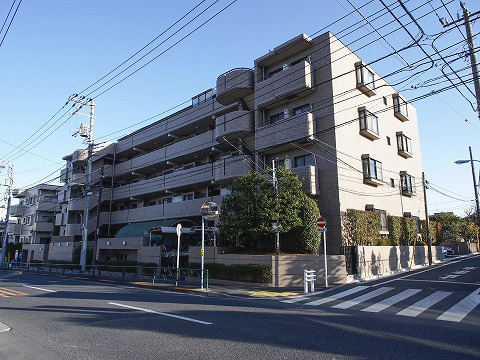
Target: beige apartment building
x,y
35,213
310,104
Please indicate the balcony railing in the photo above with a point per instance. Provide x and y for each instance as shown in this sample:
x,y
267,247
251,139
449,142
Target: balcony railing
x,y
234,125
308,177
301,127
234,85
293,82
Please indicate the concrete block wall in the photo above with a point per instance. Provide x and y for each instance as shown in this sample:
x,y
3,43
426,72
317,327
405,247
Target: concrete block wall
x,y
287,270
378,260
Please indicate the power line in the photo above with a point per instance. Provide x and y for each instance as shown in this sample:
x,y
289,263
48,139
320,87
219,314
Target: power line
x,y
11,20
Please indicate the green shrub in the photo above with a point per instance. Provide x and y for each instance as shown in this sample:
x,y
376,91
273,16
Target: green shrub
x,y
360,227
238,272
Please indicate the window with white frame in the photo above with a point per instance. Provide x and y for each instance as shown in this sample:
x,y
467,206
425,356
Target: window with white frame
x,y
301,109
372,169
404,143
407,183
368,121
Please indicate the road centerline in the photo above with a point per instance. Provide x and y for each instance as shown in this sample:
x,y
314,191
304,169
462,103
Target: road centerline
x,y
39,288
162,313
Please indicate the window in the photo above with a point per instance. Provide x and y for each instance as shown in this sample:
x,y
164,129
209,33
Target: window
x,y
404,144
298,61
133,206
281,162
392,182
121,257
385,101
368,124
277,117
49,199
276,71
188,166
152,203
48,219
408,183
304,160
400,108
186,197
167,200
365,79
372,169
388,141
301,109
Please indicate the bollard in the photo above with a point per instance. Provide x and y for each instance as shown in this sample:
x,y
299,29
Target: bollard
x,y
309,276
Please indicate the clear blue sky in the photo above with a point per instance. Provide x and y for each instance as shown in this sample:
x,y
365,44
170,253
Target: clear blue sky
x,y
55,48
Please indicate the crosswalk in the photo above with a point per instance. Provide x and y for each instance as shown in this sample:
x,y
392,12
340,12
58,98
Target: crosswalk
x,y
5,293
399,301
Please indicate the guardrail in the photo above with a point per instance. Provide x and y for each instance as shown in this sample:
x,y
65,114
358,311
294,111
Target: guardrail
x,y
174,276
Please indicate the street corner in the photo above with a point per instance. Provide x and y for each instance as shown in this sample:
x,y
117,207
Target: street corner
x,y
271,294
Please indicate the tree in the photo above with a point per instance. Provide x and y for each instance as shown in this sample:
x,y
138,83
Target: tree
x,y
452,226
248,211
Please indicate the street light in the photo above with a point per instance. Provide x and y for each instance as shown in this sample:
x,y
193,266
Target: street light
x,y
459,162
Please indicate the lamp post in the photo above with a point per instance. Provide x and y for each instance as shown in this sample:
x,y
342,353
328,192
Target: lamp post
x,y
459,162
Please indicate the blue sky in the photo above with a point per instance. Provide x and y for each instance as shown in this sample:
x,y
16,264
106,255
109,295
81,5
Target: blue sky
x,y
55,48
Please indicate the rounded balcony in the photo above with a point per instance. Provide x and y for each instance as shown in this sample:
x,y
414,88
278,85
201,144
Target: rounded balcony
x,y
237,124
234,84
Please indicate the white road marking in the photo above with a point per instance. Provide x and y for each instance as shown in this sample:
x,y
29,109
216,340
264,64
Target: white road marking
x,y
448,277
424,304
337,296
306,296
469,267
4,327
442,281
461,272
38,288
161,313
461,309
429,269
382,305
362,298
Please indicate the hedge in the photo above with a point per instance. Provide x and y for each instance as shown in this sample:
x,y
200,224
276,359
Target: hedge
x,y
238,272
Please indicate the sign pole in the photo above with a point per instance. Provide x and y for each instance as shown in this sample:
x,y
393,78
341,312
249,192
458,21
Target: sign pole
x,y
179,232
325,256
203,253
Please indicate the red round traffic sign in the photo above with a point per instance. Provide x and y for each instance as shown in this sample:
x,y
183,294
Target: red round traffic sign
x,y
321,223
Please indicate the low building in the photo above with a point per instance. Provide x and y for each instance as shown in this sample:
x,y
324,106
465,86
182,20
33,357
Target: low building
x,y
35,213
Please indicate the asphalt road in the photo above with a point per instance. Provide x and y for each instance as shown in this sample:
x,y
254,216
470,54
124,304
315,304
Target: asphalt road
x,y
63,318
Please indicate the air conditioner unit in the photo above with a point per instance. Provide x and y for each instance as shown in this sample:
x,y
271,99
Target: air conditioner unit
x,y
285,66
286,113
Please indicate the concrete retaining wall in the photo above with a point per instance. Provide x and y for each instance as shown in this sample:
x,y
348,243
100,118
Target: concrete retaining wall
x,y
377,260
287,270
460,247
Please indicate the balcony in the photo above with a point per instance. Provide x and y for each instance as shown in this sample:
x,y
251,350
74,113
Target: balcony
x,y
307,175
234,125
232,167
17,210
60,219
301,127
43,227
73,229
79,156
19,193
188,146
288,84
64,175
234,84
400,108
76,204
177,179
48,206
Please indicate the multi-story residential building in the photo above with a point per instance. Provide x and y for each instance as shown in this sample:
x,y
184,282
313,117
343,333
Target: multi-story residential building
x,y
65,245
35,213
311,105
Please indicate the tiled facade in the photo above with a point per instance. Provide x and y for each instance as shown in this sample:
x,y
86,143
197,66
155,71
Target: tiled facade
x,y
310,104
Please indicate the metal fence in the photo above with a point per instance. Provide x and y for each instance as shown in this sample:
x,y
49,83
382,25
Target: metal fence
x,y
153,275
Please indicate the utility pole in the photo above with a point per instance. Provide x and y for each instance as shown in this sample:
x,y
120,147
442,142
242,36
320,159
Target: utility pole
x,y
427,222
97,226
275,222
471,50
7,217
475,186
87,132
473,56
